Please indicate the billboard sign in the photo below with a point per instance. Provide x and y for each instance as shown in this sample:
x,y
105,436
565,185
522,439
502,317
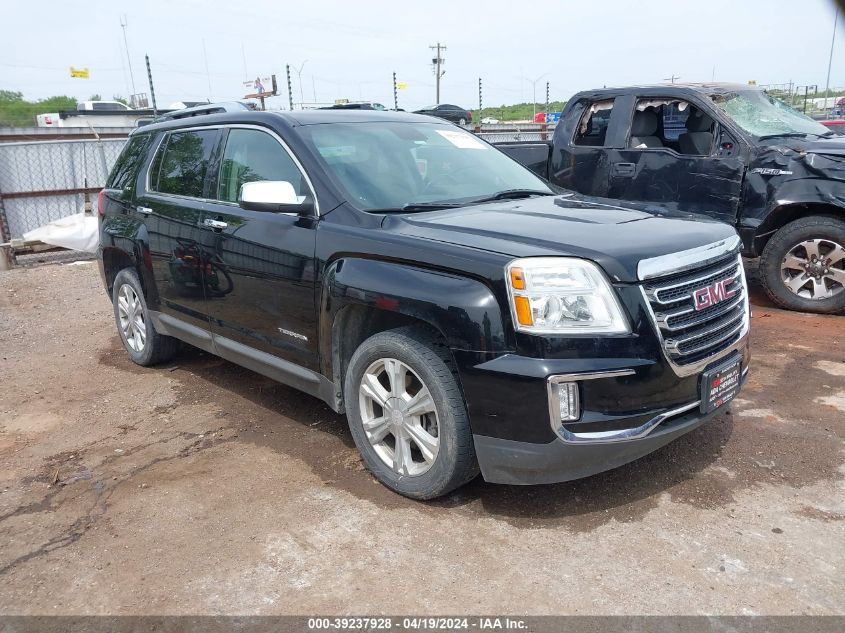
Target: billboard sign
x,y
260,87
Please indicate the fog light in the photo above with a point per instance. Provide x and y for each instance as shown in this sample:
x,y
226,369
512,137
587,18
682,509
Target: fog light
x,y
568,406
567,400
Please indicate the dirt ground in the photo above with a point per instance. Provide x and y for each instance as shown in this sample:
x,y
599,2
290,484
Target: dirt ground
x,y
202,488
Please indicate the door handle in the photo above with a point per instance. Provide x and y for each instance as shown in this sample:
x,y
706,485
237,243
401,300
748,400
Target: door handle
x,y
144,210
623,169
217,225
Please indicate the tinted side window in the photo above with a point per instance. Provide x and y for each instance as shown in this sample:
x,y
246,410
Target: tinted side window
x,y
185,162
592,129
126,168
250,156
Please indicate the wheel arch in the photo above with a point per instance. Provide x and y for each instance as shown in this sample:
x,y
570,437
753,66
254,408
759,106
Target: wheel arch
x,y
114,260
363,297
788,212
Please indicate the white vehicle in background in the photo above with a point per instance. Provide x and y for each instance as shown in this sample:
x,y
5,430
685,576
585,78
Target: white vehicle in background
x,y
101,106
93,114
489,121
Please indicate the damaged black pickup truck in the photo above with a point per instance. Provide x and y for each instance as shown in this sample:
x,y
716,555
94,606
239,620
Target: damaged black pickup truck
x,y
729,152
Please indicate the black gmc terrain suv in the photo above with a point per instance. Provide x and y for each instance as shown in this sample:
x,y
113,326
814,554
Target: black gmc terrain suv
x,y
461,313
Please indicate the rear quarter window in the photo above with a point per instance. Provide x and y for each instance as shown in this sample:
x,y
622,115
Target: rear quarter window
x,y
126,168
182,162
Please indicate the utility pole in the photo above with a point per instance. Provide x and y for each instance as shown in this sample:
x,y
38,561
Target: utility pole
x,y
290,89
829,61
534,90
123,24
152,89
480,107
806,90
437,62
395,94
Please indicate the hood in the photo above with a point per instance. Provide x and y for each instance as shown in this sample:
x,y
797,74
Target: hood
x,y
833,146
807,168
791,147
614,237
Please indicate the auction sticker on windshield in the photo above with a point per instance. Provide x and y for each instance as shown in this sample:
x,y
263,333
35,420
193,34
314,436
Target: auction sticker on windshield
x,y
462,139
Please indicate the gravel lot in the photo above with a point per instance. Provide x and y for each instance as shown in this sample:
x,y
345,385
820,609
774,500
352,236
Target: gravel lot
x,y
200,487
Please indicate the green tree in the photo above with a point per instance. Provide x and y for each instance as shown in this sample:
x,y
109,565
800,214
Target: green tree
x,y
15,111
9,96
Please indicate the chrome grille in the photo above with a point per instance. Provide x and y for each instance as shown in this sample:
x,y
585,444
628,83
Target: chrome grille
x,y
693,337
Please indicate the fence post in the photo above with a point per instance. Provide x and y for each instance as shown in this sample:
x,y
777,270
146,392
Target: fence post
x,y
5,251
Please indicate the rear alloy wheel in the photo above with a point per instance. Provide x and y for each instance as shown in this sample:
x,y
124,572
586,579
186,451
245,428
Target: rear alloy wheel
x,y
144,345
803,265
407,414
131,319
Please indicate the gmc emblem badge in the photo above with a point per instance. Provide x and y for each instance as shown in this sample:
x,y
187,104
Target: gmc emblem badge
x,y
712,294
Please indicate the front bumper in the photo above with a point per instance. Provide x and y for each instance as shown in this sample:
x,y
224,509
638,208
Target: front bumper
x,y
630,407
523,463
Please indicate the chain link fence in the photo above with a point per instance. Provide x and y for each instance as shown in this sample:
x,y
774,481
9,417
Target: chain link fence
x,y
42,181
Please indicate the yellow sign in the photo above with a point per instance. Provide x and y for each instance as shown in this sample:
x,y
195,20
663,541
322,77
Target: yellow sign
x,y
752,82
79,73
401,85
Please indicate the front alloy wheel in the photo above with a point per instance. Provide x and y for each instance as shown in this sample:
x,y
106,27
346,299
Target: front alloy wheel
x,y
407,414
399,417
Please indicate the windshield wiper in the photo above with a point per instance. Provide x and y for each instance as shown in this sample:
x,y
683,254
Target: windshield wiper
x,y
511,194
418,206
507,194
782,135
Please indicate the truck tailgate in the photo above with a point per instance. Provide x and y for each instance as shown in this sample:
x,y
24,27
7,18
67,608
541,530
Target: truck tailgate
x,y
532,154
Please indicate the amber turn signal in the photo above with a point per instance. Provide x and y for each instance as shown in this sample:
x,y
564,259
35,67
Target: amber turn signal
x,y
523,311
517,279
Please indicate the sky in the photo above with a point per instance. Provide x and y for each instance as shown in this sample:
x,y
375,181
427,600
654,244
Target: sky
x,y
337,49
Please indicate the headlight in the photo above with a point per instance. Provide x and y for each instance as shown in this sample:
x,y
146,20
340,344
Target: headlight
x,y
551,295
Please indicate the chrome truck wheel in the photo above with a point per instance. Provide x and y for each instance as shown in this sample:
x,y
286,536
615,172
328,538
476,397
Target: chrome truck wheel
x,y
812,269
803,265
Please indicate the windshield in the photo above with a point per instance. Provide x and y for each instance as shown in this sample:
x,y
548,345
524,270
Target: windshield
x,y
388,165
761,115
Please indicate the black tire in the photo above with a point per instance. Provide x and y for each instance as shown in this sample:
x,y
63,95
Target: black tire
x,y
455,463
156,347
779,246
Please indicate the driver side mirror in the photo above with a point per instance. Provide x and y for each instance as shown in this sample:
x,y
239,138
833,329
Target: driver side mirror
x,y
275,196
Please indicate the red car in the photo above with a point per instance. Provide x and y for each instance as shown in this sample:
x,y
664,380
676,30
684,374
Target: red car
x,y
837,125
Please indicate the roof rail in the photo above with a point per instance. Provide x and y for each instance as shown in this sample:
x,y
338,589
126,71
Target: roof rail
x,y
210,108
